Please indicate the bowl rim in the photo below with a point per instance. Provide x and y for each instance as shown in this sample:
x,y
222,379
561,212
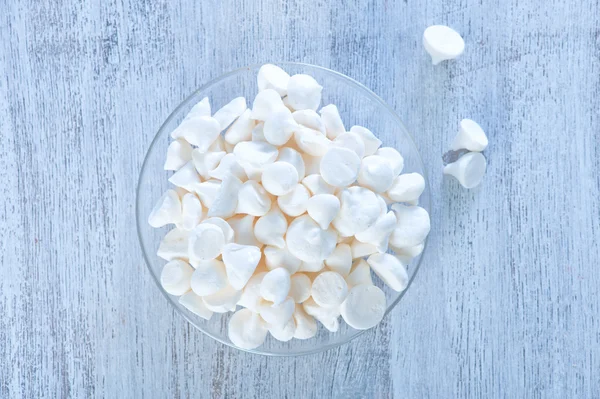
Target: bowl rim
x,y
140,219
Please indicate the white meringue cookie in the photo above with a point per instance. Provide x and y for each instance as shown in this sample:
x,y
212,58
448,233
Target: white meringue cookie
x,y
361,249
360,274
200,131
468,169
206,242
226,200
270,228
241,129
393,157
406,188
359,209
326,316
209,277
351,141
243,227
191,212
390,270
254,156
277,314
230,111
306,326
174,245
312,164
229,165
240,263
287,104
300,287
371,142
294,203
329,289
283,333
246,329
340,166
311,267
332,121
186,177
275,286
316,185
412,228
294,158
250,297
379,233
364,307
470,136
375,173
442,43
310,119
308,242
265,102
323,208
279,127
340,260
279,178
167,210
408,253
258,133
175,277
304,92
222,301
273,77
195,304
253,199
227,230
206,162
281,257
202,108
178,154
218,145
207,191
311,141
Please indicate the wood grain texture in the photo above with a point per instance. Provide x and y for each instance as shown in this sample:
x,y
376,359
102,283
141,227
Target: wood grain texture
x,y
506,304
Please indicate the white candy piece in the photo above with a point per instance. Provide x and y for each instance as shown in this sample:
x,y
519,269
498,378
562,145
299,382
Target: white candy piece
x,y
227,230
326,316
393,157
329,289
277,314
207,191
175,277
340,167
306,326
279,127
442,43
250,297
407,187
240,263
265,102
470,136
186,177
270,229
253,199
351,141
284,333
273,77
390,270
408,253
243,228
222,301
226,115
167,210
332,121
311,141
206,162
304,92
178,154
254,156
360,274
323,208
468,169
241,129
202,108
295,202
300,287
281,257
228,166
174,245
340,260
226,200
308,242
206,242
200,131
379,233
371,142
191,212
364,307
360,249
279,178
275,287
375,173
316,185
195,304
310,119
412,227
294,158
359,209
209,277
246,329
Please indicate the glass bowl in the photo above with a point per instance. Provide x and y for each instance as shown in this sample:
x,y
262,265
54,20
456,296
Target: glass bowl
x,y
357,106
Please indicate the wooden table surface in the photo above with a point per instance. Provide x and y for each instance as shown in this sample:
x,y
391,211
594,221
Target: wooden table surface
x,y
506,303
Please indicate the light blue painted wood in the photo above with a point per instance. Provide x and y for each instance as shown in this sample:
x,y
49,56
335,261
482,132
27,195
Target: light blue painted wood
x,y
506,304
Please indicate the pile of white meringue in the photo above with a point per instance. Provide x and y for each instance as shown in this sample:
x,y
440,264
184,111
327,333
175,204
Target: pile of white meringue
x,y
284,212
